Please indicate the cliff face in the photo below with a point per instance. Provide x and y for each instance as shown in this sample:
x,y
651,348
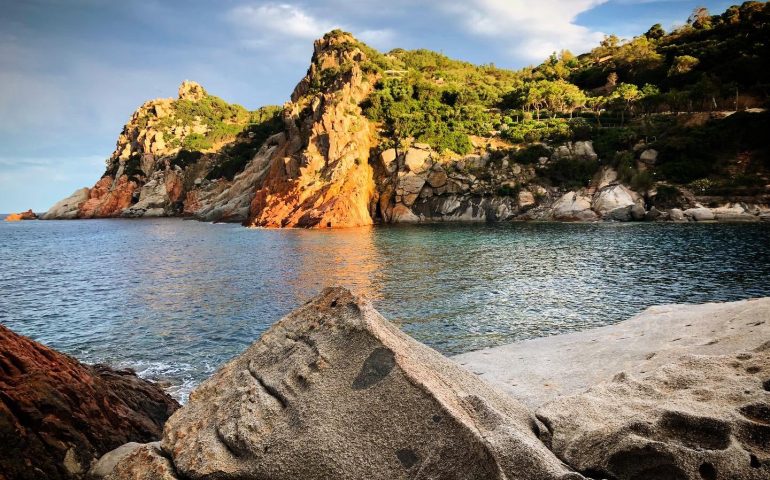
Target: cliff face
x,y
320,176
58,415
174,157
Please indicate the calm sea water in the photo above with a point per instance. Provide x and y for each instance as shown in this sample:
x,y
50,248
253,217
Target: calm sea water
x,y
174,299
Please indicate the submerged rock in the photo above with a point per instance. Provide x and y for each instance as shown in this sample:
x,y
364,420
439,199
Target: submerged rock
x,y
57,415
701,418
334,391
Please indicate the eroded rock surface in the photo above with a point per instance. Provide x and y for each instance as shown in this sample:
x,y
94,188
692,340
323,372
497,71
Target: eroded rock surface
x,y
700,418
335,391
57,415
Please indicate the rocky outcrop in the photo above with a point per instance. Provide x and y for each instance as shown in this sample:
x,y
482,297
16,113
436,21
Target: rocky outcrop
x,y
583,150
333,390
15,217
419,185
153,172
703,417
67,208
320,176
57,415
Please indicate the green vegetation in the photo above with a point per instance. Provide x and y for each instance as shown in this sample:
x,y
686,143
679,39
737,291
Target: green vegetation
x,y
621,93
428,97
234,157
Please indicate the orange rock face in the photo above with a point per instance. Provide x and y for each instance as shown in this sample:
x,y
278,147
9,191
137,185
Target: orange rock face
x,y
57,415
15,217
320,177
106,200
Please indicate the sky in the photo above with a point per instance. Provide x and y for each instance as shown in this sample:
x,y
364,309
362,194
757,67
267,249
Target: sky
x,y
73,71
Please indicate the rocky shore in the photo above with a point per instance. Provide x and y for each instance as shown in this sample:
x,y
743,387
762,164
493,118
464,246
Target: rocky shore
x,y
334,390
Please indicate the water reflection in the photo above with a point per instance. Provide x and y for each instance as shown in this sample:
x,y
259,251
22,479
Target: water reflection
x,y
345,257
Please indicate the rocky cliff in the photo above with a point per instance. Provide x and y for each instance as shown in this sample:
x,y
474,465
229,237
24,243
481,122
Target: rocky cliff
x,y
195,155
320,176
326,160
57,415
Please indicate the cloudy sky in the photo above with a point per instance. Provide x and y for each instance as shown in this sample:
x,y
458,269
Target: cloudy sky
x,y
73,71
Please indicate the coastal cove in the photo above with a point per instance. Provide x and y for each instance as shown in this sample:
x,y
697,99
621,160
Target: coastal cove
x,y
175,299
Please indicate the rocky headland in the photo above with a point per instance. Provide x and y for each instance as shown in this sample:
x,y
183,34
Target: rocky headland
x,y
325,160
57,415
333,390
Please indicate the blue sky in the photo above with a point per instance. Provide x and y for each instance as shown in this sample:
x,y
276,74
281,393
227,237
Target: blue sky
x,y
73,71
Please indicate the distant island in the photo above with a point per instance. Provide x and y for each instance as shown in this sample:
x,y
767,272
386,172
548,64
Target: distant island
x,y
665,126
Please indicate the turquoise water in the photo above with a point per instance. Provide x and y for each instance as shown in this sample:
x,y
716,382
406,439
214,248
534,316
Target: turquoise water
x,y
174,299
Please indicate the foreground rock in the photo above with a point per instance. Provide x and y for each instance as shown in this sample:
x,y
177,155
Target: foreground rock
x,y
700,418
677,392
335,391
15,217
57,415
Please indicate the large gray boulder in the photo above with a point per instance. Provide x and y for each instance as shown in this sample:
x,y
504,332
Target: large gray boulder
x,y
573,206
699,214
334,391
701,418
612,198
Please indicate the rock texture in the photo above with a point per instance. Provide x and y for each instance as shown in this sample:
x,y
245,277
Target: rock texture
x,y
67,208
57,415
678,392
573,206
335,391
703,417
533,371
320,175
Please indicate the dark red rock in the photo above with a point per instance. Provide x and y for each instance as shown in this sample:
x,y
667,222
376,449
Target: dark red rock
x,y
57,415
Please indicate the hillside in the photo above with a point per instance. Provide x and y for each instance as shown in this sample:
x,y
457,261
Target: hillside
x,y
627,131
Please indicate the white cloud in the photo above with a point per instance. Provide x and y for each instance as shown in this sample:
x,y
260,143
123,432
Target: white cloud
x,y
264,25
383,39
532,29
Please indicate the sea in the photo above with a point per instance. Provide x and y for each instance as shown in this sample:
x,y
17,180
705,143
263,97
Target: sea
x,y
174,299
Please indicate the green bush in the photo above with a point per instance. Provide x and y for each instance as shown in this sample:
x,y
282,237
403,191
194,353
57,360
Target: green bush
x,y
196,141
531,154
548,130
571,173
